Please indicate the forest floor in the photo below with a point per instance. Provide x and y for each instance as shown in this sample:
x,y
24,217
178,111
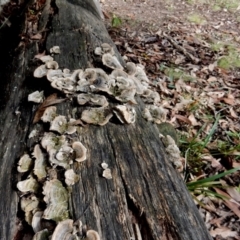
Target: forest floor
x,y
191,53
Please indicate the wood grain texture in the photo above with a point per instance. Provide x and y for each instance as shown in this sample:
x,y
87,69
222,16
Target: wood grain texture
x,y
146,199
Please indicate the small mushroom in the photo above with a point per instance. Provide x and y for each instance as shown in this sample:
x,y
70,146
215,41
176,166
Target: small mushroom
x,y
155,114
59,124
29,205
173,152
40,71
131,68
40,163
71,126
24,163
66,72
49,114
46,58
104,165
56,198
36,221
140,74
52,65
92,235
125,113
98,51
52,141
34,133
150,96
71,177
64,154
64,230
36,97
41,235
55,50
80,151
53,74
98,116
107,48
65,85
92,100
28,185
111,61
107,173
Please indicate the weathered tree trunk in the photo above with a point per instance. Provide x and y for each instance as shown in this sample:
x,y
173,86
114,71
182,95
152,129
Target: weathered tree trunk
x,y
146,199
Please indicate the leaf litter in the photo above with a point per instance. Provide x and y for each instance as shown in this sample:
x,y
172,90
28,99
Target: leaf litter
x,y
191,52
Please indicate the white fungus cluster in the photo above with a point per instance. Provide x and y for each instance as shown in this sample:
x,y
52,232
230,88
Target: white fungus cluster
x,y
92,88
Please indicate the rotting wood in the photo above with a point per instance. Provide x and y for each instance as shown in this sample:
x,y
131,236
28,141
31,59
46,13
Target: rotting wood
x,y
146,196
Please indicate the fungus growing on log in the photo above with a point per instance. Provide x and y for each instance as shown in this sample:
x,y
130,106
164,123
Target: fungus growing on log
x,y
97,116
80,151
24,163
36,97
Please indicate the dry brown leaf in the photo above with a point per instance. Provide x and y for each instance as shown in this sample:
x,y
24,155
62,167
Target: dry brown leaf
x,y
215,163
232,191
223,232
231,204
183,118
233,113
193,120
230,101
212,79
49,101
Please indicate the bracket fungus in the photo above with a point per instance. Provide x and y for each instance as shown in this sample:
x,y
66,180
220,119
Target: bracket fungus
x,y
155,114
97,116
92,99
53,74
150,97
92,235
51,65
71,177
107,48
107,173
172,151
64,230
125,113
40,71
49,114
80,151
55,50
59,124
46,58
36,97
28,185
111,61
40,163
36,221
41,235
29,205
58,150
56,198
65,85
24,163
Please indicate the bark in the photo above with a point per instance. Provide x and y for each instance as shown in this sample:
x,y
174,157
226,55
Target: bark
x,y
146,199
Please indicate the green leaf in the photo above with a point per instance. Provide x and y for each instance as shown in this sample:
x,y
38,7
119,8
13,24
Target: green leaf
x,y
211,179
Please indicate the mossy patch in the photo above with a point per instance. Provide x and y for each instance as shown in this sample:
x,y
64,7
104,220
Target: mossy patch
x,y
230,5
231,60
196,18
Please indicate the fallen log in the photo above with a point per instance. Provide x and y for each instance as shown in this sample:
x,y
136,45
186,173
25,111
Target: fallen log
x,y
144,198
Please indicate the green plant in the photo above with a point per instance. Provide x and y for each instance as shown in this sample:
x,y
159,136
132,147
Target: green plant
x,y
194,148
116,21
203,186
231,146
